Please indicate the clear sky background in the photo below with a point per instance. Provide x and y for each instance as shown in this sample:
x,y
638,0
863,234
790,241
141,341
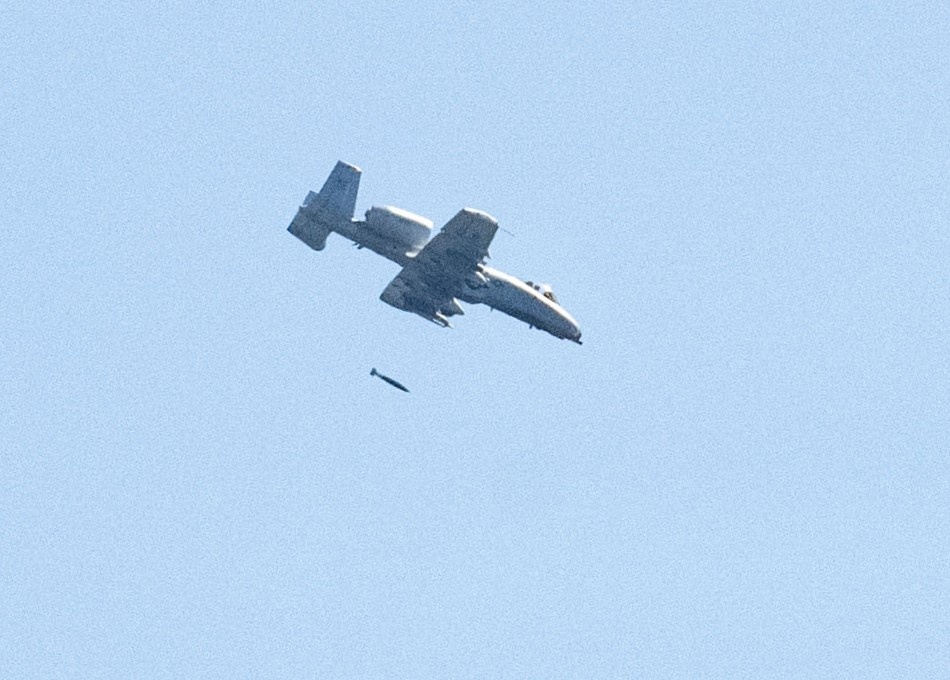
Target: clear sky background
x,y
743,472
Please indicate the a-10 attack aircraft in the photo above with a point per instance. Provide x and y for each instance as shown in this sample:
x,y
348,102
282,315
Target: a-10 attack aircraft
x,y
435,274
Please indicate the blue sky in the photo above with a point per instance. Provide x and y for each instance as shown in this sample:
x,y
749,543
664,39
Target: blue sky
x,y
742,472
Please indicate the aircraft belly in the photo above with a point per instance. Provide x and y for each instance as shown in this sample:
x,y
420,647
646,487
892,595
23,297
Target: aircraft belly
x,y
381,246
518,304
513,297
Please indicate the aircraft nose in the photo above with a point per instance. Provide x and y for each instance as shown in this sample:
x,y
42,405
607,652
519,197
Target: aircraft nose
x,y
575,333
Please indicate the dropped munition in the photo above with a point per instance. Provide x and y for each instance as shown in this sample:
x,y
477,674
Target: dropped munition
x,y
394,383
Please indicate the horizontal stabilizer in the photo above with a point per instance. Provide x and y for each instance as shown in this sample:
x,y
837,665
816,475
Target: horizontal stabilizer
x,y
336,201
312,232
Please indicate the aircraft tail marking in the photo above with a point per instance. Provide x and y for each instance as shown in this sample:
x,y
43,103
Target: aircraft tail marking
x,y
338,194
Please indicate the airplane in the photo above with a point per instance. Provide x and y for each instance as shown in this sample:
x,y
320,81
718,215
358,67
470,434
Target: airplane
x,y
438,273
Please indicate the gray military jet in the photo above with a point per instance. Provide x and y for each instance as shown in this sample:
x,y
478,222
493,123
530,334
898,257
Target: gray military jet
x,y
436,274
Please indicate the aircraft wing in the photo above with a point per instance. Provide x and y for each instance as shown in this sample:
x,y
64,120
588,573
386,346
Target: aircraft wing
x,y
465,236
430,282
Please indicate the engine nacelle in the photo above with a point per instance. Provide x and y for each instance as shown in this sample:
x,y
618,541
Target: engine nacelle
x,y
399,226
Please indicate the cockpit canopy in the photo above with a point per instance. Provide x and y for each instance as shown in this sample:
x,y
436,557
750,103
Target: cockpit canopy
x,y
545,290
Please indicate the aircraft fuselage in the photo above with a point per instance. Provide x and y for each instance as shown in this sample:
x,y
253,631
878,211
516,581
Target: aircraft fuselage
x,y
514,297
